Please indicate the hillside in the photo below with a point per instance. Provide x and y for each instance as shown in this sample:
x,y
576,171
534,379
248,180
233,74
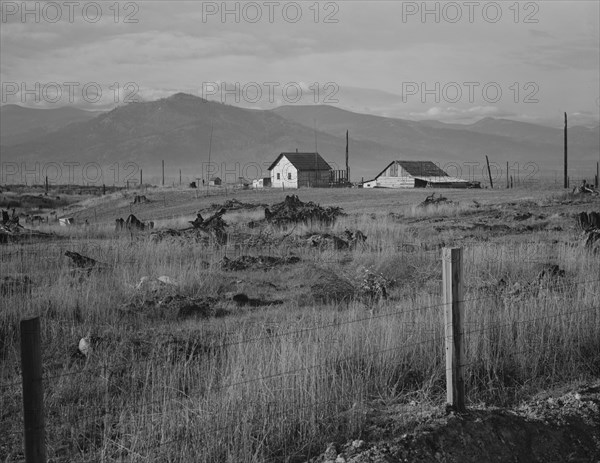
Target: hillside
x,y
19,124
178,130
501,139
245,141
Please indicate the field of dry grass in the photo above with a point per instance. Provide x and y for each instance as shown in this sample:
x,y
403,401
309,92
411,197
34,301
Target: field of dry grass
x,y
187,372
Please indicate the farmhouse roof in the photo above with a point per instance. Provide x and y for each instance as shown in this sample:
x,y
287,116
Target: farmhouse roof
x,y
303,161
417,169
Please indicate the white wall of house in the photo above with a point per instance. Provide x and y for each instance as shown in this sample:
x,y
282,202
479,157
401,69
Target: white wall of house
x,y
284,174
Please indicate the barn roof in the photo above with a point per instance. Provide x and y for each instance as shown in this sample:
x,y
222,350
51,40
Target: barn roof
x,y
418,169
303,161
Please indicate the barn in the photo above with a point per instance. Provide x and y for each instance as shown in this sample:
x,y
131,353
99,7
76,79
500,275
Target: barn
x,y
416,174
296,170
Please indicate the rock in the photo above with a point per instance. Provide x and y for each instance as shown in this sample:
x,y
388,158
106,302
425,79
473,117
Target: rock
x,y
167,280
155,284
331,453
357,444
84,346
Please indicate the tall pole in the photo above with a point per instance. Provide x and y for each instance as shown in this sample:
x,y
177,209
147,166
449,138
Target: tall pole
x,y
209,153
163,172
507,175
141,177
316,151
566,178
489,171
347,160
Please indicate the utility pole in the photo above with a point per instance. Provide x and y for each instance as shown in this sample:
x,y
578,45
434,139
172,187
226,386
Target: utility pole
x,y
347,160
209,153
163,173
566,178
489,171
316,163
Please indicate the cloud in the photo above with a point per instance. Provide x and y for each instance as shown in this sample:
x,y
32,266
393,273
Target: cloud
x,y
455,114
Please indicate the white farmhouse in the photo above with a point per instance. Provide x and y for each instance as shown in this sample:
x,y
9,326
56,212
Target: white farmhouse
x,y
295,170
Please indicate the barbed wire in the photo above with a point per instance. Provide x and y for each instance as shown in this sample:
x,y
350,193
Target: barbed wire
x,y
531,320
336,324
270,337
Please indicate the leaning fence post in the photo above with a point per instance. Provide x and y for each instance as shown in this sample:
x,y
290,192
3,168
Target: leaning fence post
x,y
33,391
453,314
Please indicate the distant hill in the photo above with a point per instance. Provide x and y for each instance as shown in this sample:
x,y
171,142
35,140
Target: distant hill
x,y
20,125
502,140
177,129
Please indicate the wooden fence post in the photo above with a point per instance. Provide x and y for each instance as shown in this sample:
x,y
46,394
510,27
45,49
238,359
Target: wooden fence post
x,y
33,391
452,275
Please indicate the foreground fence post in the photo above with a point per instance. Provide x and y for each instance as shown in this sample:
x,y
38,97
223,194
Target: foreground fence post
x,y
33,391
453,316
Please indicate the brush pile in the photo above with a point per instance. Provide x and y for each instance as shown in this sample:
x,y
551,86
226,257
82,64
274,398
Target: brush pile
x,y
292,211
589,224
12,231
432,200
202,230
234,205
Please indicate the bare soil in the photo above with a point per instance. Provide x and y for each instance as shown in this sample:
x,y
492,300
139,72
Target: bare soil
x,y
561,426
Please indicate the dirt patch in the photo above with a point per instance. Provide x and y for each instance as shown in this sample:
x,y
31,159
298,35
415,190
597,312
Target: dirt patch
x,y
557,429
256,262
242,300
174,306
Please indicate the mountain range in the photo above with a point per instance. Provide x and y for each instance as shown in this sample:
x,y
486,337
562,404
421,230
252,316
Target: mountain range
x,y
185,131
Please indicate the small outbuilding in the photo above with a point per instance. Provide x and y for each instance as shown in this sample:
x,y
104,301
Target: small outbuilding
x,y
214,181
416,174
296,170
261,182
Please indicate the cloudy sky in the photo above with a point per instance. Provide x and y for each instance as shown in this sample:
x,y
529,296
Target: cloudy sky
x,y
447,61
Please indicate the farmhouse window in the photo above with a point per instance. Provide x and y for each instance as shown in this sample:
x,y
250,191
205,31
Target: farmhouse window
x,y
394,170
278,176
289,175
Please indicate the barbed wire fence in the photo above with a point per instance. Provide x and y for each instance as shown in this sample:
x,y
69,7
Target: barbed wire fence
x,y
123,406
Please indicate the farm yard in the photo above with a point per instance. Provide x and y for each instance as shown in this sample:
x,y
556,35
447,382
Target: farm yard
x,y
305,325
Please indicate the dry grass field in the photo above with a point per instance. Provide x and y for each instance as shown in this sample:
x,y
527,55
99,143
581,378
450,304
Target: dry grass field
x,y
193,372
